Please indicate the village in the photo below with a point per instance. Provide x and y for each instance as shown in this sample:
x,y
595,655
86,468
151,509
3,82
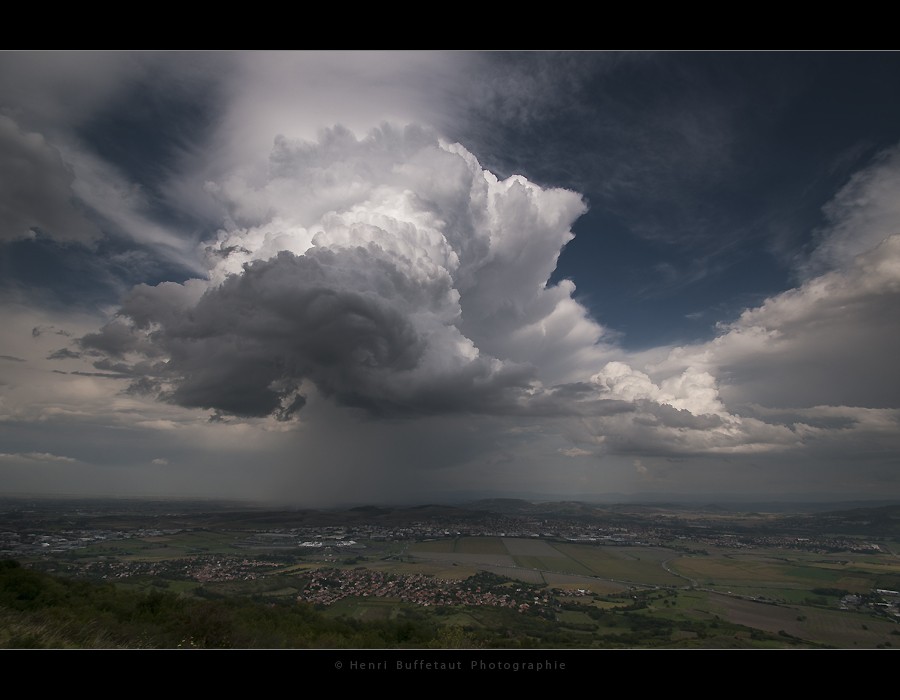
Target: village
x,y
327,586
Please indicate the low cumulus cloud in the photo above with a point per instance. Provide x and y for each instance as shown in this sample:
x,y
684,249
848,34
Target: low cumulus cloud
x,y
29,457
63,354
860,216
574,452
38,331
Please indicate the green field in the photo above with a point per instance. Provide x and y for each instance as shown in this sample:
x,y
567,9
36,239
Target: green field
x,y
367,609
590,583
463,545
836,628
639,565
480,545
184,544
757,571
520,558
443,546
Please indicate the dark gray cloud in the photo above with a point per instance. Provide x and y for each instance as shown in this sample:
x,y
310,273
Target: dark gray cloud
x,y
36,190
102,375
63,354
38,331
144,386
116,339
342,319
654,415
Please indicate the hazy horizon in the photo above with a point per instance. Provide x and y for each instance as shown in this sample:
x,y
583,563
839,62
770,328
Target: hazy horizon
x,y
396,277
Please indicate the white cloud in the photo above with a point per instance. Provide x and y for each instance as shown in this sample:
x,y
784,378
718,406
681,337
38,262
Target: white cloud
x,y
36,457
123,206
693,390
862,214
574,452
295,94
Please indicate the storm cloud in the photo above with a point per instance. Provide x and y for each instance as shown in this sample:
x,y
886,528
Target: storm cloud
x,y
392,272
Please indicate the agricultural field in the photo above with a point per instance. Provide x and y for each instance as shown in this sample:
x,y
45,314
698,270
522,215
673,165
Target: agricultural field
x,y
836,628
518,546
164,548
772,572
591,583
367,610
639,565
519,574
481,560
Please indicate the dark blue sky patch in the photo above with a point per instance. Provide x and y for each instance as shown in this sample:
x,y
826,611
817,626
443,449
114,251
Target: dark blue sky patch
x,y
148,132
151,126
73,275
706,173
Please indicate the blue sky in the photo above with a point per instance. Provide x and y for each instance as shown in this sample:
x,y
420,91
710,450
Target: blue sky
x,y
342,276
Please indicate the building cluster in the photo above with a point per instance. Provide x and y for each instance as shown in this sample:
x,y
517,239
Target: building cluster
x,y
881,600
815,544
634,535
37,542
327,586
205,569
200,568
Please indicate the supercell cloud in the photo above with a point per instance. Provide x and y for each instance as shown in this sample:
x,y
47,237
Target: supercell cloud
x,y
392,273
